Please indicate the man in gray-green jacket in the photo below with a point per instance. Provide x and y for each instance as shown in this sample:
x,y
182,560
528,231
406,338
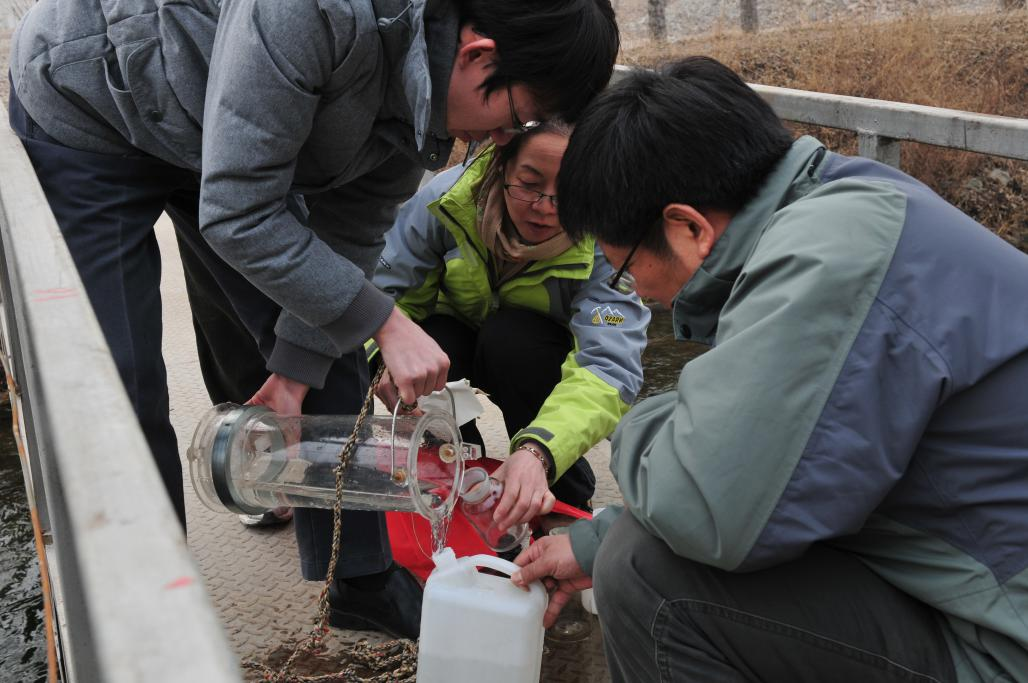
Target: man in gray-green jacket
x,y
280,137
838,488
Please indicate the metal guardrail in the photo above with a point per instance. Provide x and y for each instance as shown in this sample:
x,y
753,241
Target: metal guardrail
x,y
881,125
131,604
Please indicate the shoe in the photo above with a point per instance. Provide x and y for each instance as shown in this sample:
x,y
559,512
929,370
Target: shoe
x,y
269,518
395,608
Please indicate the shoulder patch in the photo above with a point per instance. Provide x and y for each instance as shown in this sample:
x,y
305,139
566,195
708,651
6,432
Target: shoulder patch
x,y
607,316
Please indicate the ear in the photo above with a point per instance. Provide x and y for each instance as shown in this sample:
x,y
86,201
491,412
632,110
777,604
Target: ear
x,y
687,228
474,49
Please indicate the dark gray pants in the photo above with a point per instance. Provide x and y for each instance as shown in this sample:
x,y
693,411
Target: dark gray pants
x,y
823,617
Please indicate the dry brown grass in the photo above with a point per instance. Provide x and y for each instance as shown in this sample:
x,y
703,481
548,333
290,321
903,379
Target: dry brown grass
x,y
974,63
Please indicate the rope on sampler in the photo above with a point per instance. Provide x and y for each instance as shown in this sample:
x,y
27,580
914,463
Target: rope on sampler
x,y
394,661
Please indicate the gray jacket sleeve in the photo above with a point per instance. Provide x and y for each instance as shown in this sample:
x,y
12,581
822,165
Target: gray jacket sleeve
x,y
610,331
587,535
351,220
269,61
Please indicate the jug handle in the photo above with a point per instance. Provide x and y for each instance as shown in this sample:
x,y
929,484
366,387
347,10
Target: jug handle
x,y
507,567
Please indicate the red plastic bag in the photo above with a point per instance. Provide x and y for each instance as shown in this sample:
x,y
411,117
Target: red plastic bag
x,y
410,535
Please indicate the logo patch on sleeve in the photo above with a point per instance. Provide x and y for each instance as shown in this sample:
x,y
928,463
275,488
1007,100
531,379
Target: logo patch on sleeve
x,y
607,316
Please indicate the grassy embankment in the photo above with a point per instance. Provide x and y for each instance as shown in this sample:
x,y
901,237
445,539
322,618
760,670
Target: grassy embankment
x,y
974,63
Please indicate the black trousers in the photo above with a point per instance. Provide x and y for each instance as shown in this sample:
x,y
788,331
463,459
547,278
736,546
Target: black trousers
x,y
824,617
106,207
515,357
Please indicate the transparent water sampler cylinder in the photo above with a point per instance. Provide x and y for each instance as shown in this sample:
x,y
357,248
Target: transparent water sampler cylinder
x,y
247,459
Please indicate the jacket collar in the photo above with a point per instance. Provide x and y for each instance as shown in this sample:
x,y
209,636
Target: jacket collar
x,y
419,41
697,306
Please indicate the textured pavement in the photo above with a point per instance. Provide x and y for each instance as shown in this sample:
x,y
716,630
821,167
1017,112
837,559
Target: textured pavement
x,y
253,574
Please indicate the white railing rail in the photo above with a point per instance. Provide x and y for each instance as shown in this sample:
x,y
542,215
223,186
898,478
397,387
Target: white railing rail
x,y
882,125
131,604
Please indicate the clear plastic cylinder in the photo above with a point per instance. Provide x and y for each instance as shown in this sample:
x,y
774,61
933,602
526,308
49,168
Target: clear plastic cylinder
x,y
247,459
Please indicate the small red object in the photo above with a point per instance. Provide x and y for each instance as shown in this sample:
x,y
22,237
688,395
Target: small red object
x,y
410,534
180,582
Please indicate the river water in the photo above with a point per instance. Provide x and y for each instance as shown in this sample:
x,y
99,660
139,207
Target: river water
x,y
22,640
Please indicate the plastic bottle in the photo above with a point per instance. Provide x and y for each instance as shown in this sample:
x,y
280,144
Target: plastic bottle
x,y
480,495
479,627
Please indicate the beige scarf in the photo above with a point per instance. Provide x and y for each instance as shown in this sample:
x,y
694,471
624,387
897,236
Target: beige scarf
x,y
501,238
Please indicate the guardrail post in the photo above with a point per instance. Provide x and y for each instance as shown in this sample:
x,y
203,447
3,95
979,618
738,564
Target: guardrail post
x,y
878,147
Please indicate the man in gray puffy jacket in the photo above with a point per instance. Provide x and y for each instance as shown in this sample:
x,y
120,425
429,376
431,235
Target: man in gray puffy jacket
x,y
279,137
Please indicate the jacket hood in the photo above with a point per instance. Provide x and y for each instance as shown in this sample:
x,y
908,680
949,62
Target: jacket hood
x,y
419,39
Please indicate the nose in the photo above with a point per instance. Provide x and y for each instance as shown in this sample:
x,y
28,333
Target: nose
x,y
545,205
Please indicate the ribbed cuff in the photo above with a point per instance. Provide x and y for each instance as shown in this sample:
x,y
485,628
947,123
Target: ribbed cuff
x,y
367,313
299,364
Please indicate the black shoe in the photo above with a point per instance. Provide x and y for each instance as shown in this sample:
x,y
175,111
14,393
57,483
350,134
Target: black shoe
x,y
393,606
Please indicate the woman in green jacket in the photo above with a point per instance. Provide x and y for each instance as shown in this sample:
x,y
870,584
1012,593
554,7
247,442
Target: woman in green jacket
x,y
479,259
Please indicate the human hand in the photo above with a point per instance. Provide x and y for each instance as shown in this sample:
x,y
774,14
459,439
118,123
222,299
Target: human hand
x,y
526,493
551,560
416,363
281,394
388,394
285,397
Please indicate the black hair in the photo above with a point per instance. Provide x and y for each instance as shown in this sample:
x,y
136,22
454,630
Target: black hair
x,y
503,154
691,132
506,152
563,51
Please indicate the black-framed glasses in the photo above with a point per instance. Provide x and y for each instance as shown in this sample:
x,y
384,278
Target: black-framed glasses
x,y
517,127
523,194
622,281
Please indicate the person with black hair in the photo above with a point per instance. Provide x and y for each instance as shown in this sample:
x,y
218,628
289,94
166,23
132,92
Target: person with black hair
x,y
479,260
837,490
280,137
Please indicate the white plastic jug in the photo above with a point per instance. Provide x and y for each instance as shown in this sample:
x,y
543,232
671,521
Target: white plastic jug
x,y
479,627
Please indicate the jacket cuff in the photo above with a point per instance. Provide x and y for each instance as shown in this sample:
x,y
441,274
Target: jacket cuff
x,y
585,543
367,313
587,534
299,364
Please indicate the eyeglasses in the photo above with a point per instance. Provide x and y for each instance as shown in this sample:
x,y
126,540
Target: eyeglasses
x,y
622,281
517,127
523,194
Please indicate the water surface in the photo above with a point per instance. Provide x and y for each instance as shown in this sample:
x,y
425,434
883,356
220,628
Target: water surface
x,y
664,356
22,638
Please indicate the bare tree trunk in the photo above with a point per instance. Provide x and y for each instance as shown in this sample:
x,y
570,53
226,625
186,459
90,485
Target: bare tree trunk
x,y
748,15
658,22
